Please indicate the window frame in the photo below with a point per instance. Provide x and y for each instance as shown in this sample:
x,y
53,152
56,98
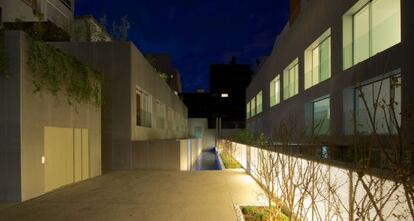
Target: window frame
x,y
318,133
274,84
287,80
348,38
145,108
259,105
392,92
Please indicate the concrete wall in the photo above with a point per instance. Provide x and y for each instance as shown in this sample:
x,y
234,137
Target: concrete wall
x,y
208,136
197,127
146,78
318,16
125,69
331,192
31,114
165,154
10,127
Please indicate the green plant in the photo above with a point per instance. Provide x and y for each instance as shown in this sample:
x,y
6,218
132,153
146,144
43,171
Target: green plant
x,y
3,58
258,213
243,137
57,72
228,161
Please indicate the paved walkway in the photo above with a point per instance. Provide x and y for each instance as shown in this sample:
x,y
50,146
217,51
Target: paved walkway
x,y
147,196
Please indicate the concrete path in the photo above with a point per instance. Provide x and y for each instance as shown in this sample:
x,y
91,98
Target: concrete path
x,y
147,196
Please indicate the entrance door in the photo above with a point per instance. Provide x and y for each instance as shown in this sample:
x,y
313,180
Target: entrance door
x,y
58,150
66,153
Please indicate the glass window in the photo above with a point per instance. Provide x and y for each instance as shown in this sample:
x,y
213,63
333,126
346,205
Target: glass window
x,y
290,80
324,71
374,106
248,110
253,106
161,115
361,35
143,109
259,102
370,29
321,117
275,91
386,24
318,60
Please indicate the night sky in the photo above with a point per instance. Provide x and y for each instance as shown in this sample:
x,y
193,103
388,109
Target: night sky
x,y
197,33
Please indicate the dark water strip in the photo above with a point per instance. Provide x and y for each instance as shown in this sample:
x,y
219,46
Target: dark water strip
x,y
208,160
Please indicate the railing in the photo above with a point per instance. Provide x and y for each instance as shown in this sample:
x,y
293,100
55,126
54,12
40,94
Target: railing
x,y
313,190
67,3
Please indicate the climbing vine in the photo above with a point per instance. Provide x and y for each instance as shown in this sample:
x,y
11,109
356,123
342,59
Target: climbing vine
x,y
3,58
57,72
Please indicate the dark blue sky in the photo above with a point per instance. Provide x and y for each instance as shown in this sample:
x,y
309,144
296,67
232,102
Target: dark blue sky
x,y
197,33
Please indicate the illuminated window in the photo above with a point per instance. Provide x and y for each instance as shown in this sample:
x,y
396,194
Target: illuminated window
x,y
248,110
275,91
224,95
318,60
370,27
253,106
259,102
291,80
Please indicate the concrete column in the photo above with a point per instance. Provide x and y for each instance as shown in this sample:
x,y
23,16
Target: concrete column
x,y
407,55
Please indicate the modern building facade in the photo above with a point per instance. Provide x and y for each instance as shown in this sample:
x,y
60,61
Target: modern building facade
x,y
138,106
328,53
45,143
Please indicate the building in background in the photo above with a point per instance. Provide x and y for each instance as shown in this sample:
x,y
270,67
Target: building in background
x,y
162,63
328,51
139,105
225,100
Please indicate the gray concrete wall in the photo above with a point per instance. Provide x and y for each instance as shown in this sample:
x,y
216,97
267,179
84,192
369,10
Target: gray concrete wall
x,y
35,112
113,60
168,154
10,107
124,69
318,16
146,78
407,55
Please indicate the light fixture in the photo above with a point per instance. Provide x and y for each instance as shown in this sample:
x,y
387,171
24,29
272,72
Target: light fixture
x,y
43,159
224,95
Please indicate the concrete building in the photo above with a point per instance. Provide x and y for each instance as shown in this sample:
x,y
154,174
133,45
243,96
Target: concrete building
x,y
326,53
45,142
139,105
162,63
225,100
58,12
